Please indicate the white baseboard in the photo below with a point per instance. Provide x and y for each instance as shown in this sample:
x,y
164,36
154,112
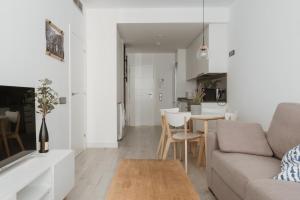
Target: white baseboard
x,y
102,145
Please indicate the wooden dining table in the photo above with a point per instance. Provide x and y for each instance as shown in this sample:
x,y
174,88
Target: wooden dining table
x,y
201,161
3,124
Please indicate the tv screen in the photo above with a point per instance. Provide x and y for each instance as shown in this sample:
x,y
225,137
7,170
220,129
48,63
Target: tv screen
x,y
17,123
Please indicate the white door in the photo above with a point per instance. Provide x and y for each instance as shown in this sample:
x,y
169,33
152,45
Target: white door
x,y
151,87
143,74
78,97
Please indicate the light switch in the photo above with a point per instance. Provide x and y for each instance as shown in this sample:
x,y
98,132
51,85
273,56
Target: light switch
x,y
62,100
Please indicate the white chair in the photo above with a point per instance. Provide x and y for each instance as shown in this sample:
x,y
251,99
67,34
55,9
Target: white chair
x,y
160,148
177,120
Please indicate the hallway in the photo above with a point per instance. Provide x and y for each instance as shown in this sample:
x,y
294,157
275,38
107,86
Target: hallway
x,y
95,167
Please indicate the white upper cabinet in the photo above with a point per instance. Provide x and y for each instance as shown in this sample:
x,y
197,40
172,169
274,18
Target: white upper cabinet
x,y
216,37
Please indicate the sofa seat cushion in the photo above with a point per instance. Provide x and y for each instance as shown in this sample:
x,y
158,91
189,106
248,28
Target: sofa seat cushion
x,y
238,169
268,189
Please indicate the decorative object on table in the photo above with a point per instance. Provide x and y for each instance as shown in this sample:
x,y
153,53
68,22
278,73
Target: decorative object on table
x,y
47,99
197,100
233,116
54,41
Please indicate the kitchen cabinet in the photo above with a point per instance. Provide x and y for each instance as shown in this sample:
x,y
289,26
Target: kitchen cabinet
x,y
216,37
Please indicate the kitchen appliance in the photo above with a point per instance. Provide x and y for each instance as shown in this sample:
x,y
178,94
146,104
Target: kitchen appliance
x,y
215,95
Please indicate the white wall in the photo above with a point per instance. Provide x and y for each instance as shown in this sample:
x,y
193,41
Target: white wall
x,y
218,48
23,61
101,38
265,70
164,70
182,85
102,66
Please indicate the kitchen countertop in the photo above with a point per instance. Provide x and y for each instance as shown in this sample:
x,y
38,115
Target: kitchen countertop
x,y
184,99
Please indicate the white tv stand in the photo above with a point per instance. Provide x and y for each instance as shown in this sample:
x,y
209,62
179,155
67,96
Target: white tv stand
x,y
47,176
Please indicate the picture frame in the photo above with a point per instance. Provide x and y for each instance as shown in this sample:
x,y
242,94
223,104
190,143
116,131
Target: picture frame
x,y
54,41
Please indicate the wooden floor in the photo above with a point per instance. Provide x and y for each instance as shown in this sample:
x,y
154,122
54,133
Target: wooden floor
x,y
95,167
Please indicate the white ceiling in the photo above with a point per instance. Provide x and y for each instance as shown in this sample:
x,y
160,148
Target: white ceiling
x,y
154,3
162,37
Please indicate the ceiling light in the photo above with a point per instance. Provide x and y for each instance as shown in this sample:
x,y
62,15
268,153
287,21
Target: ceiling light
x,y
203,50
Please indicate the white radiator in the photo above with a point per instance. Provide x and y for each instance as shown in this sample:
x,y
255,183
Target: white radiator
x,y
121,121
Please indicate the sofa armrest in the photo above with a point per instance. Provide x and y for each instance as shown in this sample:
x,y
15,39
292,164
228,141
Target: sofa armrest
x,y
212,145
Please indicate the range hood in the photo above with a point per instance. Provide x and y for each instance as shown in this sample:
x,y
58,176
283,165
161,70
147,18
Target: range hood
x,y
205,76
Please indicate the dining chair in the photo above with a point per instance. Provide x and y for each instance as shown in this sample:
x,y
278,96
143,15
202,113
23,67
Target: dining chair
x,y
14,118
161,144
179,120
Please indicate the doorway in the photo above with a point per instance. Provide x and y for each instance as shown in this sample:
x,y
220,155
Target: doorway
x,y
151,82
151,86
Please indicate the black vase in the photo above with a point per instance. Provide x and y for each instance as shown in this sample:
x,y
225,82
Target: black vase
x,y
44,137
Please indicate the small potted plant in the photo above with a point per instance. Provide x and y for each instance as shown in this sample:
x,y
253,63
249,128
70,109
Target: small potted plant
x,y
197,100
47,99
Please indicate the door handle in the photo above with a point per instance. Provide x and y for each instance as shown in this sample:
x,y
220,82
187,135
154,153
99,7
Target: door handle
x,y
74,93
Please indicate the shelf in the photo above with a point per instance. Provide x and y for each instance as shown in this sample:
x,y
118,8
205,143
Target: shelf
x,y
33,192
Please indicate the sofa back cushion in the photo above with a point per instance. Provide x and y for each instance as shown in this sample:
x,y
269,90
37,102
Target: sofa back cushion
x,y
284,132
240,137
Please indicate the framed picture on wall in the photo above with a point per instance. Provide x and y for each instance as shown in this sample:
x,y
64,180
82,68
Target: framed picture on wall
x,y
54,41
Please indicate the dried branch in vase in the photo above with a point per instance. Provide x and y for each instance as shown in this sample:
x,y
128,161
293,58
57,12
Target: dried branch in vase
x,y
46,97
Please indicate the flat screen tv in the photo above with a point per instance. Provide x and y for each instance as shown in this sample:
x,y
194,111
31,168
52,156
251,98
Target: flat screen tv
x,y
17,124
